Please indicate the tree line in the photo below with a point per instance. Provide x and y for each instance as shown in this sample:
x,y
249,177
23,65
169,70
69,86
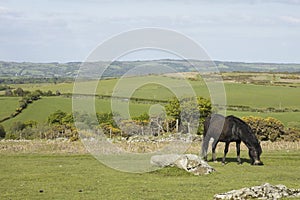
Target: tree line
x,y
60,124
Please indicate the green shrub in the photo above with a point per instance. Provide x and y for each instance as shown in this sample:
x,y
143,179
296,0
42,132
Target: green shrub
x,y
11,136
109,130
142,117
56,117
2,132
265,128
17,126
292,135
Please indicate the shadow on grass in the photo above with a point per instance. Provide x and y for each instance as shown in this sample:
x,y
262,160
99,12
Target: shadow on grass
x,y
232,160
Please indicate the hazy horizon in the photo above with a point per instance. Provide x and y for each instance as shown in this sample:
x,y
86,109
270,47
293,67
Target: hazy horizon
x,y
145,60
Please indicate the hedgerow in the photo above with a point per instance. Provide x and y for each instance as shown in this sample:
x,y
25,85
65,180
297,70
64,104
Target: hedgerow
x,y
271,129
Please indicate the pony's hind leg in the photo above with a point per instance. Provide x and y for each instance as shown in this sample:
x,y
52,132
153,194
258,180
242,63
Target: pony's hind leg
x,y
225,152
238,150
214,146
204,148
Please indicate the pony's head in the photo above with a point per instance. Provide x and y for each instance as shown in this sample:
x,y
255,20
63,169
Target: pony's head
x,y
254,154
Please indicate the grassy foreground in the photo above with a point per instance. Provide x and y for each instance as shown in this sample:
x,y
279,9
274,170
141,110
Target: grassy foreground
x,y
80,176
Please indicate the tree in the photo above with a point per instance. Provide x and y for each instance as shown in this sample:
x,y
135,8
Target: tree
x,y
204,107
35,95
189,111
38,92
49,93
173,108
19,92
57,93
2,132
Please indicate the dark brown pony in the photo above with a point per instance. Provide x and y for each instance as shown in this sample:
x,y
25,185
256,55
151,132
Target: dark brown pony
x,y
230,129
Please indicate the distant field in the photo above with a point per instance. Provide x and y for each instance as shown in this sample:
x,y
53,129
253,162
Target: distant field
x,y
237,94
8,105
159,88
262,96
41,109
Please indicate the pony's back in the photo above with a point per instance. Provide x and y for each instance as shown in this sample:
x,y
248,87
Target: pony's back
x,y
213,125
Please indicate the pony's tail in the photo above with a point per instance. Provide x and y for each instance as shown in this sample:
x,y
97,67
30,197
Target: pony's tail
x,y
205,138
204,147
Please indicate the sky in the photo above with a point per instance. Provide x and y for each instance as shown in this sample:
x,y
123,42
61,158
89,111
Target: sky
x,y
228,30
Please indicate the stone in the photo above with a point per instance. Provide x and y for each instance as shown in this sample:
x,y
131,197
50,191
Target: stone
x,y
264,191
166,160
188,162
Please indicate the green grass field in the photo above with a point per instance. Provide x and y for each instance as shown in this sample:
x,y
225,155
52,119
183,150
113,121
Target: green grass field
x,y
8,105
41,109
65,176
260,96
255,96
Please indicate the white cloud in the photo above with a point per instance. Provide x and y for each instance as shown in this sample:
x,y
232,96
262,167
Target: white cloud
x,y
294,2
290,19
60,27
3,10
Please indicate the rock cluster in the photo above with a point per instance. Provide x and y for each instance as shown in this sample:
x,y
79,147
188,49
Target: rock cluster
x,y
265,191
189,162
169,138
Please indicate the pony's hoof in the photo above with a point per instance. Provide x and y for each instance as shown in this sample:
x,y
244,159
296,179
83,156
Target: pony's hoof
x,y
224,163
215,161
239,163
259,163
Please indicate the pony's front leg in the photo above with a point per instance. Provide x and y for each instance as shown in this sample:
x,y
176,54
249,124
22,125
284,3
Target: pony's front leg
x,y
238,150
225,152
214,146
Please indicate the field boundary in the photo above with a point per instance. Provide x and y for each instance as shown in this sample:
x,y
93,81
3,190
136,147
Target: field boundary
x,y
62,146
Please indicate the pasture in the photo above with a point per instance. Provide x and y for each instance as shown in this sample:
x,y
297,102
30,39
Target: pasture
x,y
41,109
257,96
237,94
56,172
8,105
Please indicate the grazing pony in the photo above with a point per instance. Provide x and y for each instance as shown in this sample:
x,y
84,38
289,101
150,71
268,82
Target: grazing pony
x,y
230,129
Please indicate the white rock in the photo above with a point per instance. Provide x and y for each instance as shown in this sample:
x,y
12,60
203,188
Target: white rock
x,y
189,162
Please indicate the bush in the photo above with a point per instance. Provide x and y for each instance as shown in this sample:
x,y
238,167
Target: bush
x,y
11,136
17,126
109,130
2,132
265,128
56,117
142,117
292,135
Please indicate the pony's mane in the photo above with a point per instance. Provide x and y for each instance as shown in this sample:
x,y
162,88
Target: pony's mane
x,y
240,122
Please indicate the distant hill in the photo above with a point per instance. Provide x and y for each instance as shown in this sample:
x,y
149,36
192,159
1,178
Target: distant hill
x,y
118,68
